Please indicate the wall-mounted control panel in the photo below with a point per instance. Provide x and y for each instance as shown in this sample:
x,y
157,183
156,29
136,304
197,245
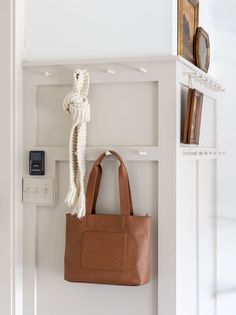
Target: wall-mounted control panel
x,y
39,191
37,163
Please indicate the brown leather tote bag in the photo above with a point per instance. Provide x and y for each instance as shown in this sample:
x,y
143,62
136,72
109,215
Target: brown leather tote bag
x,y
108,249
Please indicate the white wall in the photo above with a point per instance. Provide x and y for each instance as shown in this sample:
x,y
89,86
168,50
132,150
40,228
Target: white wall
x,y
207,15
6,180
98,29
72,29
11,269
226,68
82,29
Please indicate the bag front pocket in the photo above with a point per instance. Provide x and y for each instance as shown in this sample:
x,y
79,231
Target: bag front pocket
x,y
103,251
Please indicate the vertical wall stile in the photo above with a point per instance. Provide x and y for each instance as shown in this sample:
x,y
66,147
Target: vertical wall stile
x,y
196,210
216,214
30,211
11,229
167,191
198,178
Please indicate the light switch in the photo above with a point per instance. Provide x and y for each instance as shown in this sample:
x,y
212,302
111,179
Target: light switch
x,y
38,191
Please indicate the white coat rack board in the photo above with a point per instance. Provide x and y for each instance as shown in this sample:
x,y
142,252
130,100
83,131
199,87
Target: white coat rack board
x,y
136,108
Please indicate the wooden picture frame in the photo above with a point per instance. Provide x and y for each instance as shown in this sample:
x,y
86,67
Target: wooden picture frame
x,y
202,49
188,17
193,117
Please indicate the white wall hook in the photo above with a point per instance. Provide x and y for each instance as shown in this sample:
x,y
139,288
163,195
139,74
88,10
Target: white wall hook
x,y
192,75
203,79
189,73
108,153
199,78
142,153
47,74
196,75
110,71
142,69
209,82
213,85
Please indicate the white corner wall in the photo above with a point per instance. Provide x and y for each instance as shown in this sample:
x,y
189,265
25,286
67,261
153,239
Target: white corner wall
x,y
11,223
207,20
226,67
6,177
77,29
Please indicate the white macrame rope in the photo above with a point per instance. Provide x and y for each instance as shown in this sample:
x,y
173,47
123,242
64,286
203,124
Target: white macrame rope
x,y
77,105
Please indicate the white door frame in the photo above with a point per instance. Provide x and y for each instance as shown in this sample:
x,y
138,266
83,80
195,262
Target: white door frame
x,y
11,34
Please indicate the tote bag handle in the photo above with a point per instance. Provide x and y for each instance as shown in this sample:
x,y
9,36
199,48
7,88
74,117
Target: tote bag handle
x,y
126,207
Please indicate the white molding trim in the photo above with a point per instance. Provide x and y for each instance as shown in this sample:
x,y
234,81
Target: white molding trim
x,y
170,73
11,218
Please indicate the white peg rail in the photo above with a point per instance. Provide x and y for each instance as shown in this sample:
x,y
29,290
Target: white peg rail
x,y
132,153
56,154
201,152
204,79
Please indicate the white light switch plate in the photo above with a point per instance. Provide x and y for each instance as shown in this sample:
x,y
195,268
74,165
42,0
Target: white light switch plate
x,y
38,191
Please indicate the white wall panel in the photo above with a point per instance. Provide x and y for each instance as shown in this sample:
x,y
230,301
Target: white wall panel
x,y
124,115
11,269
197,237
6,183
226,64
143,113
187,238
132,103
56,296
207,242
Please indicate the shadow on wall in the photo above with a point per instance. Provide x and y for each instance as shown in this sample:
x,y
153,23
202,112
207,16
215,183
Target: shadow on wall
x,y
226,67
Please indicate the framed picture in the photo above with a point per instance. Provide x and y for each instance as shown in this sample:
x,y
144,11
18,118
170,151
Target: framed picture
x,y
188,11
193,117
202,49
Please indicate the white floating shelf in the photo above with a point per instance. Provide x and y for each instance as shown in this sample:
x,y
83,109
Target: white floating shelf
x,y
111,61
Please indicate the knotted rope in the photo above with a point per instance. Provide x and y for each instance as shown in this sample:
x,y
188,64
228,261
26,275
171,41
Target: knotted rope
x,y
77,105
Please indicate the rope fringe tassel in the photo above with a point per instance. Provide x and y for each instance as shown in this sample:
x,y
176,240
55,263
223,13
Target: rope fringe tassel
x,y
77,106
